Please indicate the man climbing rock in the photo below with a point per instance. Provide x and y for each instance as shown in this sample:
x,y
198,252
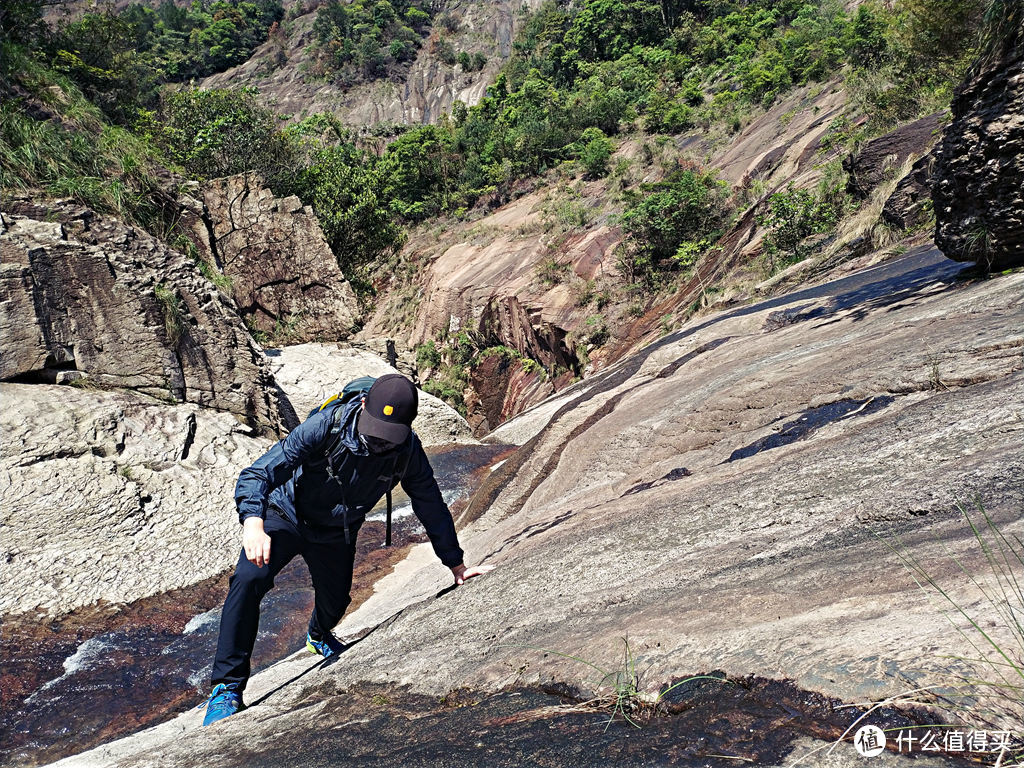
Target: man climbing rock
x,y
309,495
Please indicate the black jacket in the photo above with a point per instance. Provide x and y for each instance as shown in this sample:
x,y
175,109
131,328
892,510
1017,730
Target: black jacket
x,y
293,479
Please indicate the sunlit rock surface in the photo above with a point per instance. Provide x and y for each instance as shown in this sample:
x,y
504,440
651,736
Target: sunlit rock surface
x,y
308,374
720,500
421,93
279,267
112,496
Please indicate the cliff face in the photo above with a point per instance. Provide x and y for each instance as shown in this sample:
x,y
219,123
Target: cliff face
x,y
538,273
282,274
979,184
86,295
425,92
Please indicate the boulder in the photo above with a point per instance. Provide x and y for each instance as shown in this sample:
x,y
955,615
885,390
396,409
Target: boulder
x,y
282,272
82,293
110,496
979,174
310,373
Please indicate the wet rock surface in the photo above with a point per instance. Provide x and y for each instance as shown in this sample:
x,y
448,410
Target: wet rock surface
x,y
106,670
283,275
85,294
712,723
979,175
621,518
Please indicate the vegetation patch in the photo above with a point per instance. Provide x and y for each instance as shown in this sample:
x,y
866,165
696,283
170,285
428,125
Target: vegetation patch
x,y
367,39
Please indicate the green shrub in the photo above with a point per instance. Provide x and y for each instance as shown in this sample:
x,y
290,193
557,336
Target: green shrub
x,y
552,272
450,386
792,216
596,331
417,171
350,199
173,312
119,58
689,206
595,149
428,355
101,166
220,132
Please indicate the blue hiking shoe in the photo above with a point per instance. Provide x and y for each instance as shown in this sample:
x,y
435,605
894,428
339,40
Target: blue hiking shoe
x,y
327,647
223,702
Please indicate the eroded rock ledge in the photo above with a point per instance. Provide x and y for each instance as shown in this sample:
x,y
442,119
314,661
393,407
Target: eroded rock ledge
x,y
85,294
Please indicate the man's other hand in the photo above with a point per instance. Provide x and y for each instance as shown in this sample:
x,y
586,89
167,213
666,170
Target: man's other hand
x,y
462,573
255,542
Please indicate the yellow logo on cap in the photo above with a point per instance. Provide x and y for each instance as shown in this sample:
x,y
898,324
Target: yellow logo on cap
x,y
388,410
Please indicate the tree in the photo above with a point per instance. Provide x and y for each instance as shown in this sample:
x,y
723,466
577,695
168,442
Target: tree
x,y
605,30
417,170
97,52
220,132
944,31
347,193
594,150
688,206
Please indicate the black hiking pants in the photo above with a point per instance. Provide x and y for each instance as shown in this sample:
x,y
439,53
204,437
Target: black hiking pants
x,y
330,561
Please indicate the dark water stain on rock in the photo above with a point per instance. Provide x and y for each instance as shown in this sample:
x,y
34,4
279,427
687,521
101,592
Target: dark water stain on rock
x,y
810,421
707,722
106,671
676,474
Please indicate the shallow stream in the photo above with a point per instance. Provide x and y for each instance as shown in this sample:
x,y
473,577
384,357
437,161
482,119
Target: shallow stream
x,y
108,671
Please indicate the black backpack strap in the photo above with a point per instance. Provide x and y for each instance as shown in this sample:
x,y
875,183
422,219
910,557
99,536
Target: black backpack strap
x,y
399,474
329,452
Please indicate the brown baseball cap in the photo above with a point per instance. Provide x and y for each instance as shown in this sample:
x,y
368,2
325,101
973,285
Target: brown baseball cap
x,y
389,409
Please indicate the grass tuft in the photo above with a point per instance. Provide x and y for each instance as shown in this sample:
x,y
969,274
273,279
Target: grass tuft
x,y
991,694
620,690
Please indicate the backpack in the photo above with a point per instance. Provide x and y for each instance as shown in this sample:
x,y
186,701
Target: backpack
x,y
354,390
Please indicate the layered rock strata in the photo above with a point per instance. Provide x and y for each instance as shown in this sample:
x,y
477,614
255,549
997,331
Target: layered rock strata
x,y
881,159
979,177
82,293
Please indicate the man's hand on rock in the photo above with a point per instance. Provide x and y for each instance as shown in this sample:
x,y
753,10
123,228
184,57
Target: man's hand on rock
x,y
255,542
461,572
